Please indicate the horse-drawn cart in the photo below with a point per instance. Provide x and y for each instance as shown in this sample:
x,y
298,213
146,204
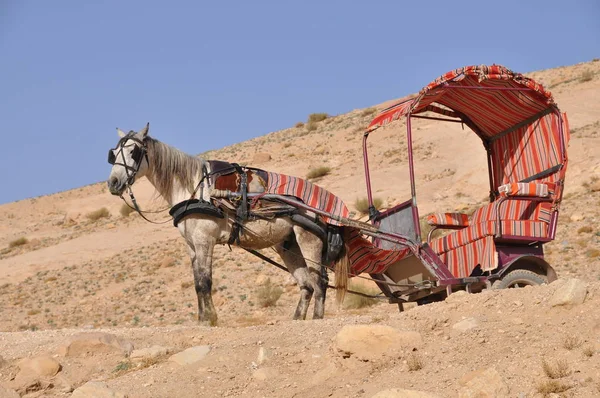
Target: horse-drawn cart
x,y
499,245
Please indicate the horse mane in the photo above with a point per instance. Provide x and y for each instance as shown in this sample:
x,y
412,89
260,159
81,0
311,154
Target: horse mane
x,y
168,163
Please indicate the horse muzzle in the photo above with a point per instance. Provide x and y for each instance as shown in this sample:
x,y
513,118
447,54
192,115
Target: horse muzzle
x,y
115,186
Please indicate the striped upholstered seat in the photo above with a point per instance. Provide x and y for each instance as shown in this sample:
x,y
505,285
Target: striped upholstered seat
x,y
474,245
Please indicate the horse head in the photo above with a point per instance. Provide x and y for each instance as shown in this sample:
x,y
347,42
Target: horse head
x,y
129,160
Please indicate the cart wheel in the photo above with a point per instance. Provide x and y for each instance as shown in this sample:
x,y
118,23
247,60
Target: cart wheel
x,y
519,278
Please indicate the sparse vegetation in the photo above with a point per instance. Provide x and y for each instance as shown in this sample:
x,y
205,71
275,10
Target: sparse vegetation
x,y
368,111
126,210
355,301
187,284
268,293
18,242
318,172
311,126
557,370
586,76
122,367
362,204
317,117
548,387
98,214
414,362
571,342
589,351
299,124
592,253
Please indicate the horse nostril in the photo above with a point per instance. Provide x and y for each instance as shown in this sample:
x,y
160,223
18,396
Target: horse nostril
x,y
113,182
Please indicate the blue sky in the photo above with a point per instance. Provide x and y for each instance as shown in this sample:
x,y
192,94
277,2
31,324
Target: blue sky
x,y
209,74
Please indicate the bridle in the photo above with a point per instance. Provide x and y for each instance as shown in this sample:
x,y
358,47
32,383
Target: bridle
x,y
138,153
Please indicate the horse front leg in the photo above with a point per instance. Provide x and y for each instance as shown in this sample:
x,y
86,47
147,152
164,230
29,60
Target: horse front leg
x,y
202,267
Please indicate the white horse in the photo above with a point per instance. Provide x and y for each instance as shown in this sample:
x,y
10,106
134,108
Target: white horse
x,y
176,176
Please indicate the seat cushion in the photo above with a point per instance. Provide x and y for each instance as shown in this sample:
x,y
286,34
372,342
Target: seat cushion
x,y
448,219
533,229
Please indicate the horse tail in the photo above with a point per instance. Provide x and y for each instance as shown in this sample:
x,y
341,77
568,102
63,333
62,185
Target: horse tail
x,y
341,270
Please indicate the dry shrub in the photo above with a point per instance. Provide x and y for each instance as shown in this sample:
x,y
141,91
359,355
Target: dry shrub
x,y
317,117
355,301
589,351
188,284
318,172
299,124
557,370
586,76
593,253
414,362
98,214
311,126
362,204
268,293
368,111
585,229
571,342
126,210
548,387
18,242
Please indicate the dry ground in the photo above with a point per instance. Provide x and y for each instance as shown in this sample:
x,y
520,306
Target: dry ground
x,y
63,272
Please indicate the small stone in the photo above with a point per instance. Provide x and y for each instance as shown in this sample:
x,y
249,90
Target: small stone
x,y
577,217
96,389
369,342
190,355
263,374
483,383
569,292
42,366
466,324
263,355
93,343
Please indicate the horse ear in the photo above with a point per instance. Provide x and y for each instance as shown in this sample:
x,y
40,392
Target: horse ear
x,y
121,133
144,132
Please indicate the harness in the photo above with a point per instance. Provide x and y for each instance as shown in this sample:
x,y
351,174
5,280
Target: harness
x,y
232,194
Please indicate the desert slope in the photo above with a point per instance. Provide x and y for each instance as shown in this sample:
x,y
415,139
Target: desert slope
x,y
76,272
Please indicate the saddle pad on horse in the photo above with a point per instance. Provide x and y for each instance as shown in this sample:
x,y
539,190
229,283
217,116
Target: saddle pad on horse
x,y
362,254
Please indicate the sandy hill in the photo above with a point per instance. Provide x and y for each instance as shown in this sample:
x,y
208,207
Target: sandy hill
x,y
71,265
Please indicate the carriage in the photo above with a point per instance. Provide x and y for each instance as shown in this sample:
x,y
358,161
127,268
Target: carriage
x,y
498,245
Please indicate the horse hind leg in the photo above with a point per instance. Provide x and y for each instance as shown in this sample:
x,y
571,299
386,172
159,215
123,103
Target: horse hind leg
x,y
311,247
291,255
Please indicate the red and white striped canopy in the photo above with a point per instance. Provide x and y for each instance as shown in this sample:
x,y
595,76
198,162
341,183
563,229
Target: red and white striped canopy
x,y
462,93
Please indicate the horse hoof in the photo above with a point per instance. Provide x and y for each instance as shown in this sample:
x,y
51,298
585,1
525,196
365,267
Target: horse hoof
x,y
207,322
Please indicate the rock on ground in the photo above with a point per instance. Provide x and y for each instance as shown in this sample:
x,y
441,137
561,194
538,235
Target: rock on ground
x,y
483,383
96,389
402,393
94,343
369,342
190,355
465,324
42,366
568,292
